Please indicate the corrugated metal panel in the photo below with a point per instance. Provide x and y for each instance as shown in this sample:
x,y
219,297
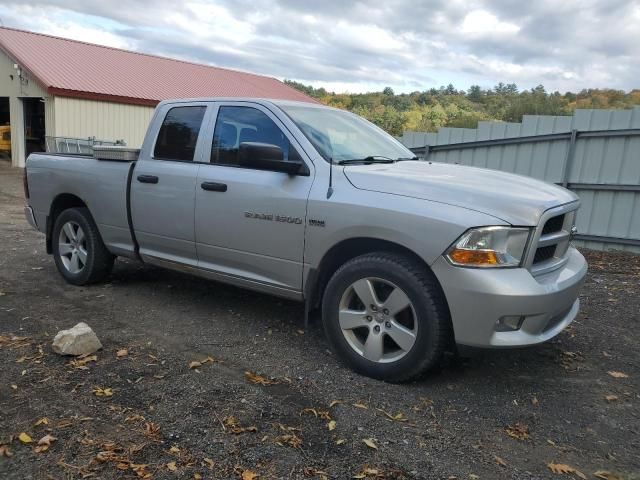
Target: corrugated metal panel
x,y
105,120
596,160
78,69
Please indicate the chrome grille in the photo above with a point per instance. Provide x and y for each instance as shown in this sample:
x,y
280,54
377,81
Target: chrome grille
x,y
551,239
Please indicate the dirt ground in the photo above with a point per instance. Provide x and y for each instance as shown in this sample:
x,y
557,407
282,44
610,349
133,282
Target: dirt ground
x,y
573,402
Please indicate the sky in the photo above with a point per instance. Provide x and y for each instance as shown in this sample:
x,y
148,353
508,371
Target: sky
x,y
365,46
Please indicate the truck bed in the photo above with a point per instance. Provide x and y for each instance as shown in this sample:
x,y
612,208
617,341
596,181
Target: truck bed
x,y
102,185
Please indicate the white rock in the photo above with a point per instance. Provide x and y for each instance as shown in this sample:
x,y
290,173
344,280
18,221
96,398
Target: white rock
x,y
79,340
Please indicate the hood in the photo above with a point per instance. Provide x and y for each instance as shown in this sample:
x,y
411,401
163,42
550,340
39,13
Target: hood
x,y
516,199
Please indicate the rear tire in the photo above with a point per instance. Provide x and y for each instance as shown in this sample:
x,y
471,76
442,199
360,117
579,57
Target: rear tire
x,y
386,317
78,250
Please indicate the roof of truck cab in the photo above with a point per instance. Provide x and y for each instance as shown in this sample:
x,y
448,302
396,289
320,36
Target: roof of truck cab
x,y
70,68
262,100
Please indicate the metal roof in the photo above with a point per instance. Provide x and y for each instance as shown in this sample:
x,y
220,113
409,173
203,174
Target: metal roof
x,y
83,70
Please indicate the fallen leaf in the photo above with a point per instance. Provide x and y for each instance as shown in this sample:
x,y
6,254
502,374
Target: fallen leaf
x,y
314,472
370,443
44,443
197,476
140,470
518,431
5,452
369,472
500,461
208,462
174,449
334,403
103,392
231,425
615,374
534,401
152,429
199,363
42,421
398,417
249,475
360,405
300,332
611,398
331,425
25,438
561,468
171,466
604,475
340,441
290,439
258,379
123,352
81,362
134,418
14,386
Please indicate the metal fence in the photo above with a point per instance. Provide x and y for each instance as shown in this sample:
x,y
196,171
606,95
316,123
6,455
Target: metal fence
x,y
595,153
77,146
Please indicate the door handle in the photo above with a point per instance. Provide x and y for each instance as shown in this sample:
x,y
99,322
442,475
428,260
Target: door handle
x,y
214,186
147,179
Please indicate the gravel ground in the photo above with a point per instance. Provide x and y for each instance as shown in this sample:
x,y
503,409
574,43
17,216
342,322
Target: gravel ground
x,y
496,414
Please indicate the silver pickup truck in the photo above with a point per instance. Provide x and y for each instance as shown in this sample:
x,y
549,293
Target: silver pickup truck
x,y
404,257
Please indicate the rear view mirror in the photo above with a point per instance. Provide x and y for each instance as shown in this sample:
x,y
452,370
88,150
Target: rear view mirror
x,y
265,156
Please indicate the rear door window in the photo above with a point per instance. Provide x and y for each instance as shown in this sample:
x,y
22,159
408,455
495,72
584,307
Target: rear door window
x,y
179,134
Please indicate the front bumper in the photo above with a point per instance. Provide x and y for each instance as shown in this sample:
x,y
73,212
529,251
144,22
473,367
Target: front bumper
x,y
479,298
28,213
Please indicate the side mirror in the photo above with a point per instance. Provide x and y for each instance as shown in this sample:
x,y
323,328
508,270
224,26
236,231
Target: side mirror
x,y
265,156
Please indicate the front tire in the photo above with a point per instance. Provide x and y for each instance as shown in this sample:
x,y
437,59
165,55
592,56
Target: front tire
x,y
78,250
386,317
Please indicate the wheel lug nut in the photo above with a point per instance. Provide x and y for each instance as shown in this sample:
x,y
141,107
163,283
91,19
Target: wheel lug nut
x,y
385,311
369,318
387,324
374,308
377,328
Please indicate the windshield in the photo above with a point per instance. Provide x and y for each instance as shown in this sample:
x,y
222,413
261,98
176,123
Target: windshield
x,y
341,135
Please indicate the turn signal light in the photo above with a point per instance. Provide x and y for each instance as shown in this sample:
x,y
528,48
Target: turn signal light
x,y
473,257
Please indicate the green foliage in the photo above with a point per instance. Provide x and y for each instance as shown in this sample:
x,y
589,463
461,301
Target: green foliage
x,y
431,109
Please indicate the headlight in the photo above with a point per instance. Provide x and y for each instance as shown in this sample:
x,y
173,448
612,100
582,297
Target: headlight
x,y
490,247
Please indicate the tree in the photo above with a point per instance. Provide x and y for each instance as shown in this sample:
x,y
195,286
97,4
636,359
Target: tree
x,y
433,108
475,93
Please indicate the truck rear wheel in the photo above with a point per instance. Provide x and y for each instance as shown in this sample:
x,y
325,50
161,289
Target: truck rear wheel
x,y
78,250
386,317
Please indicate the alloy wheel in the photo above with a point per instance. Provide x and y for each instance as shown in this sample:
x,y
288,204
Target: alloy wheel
x,y
72,247
378,320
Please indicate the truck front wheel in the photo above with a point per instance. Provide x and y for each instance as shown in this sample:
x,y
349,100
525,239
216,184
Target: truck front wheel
x,y
78,250
386,317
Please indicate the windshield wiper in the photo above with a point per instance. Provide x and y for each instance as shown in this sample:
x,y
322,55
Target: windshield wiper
x,y
406,158
367,160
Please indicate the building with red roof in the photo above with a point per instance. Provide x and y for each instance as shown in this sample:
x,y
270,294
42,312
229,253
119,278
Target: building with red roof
x,y
55,87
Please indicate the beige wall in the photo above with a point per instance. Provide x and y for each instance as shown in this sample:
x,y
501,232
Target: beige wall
x,y
16,89
104,120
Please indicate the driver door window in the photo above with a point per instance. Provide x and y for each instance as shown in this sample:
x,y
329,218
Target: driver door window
x,y
236,125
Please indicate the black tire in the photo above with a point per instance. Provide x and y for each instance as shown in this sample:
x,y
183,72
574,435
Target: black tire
x,y
431,313
99,261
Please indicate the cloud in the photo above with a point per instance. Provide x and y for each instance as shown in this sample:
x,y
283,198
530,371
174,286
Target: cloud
x,y
361,46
